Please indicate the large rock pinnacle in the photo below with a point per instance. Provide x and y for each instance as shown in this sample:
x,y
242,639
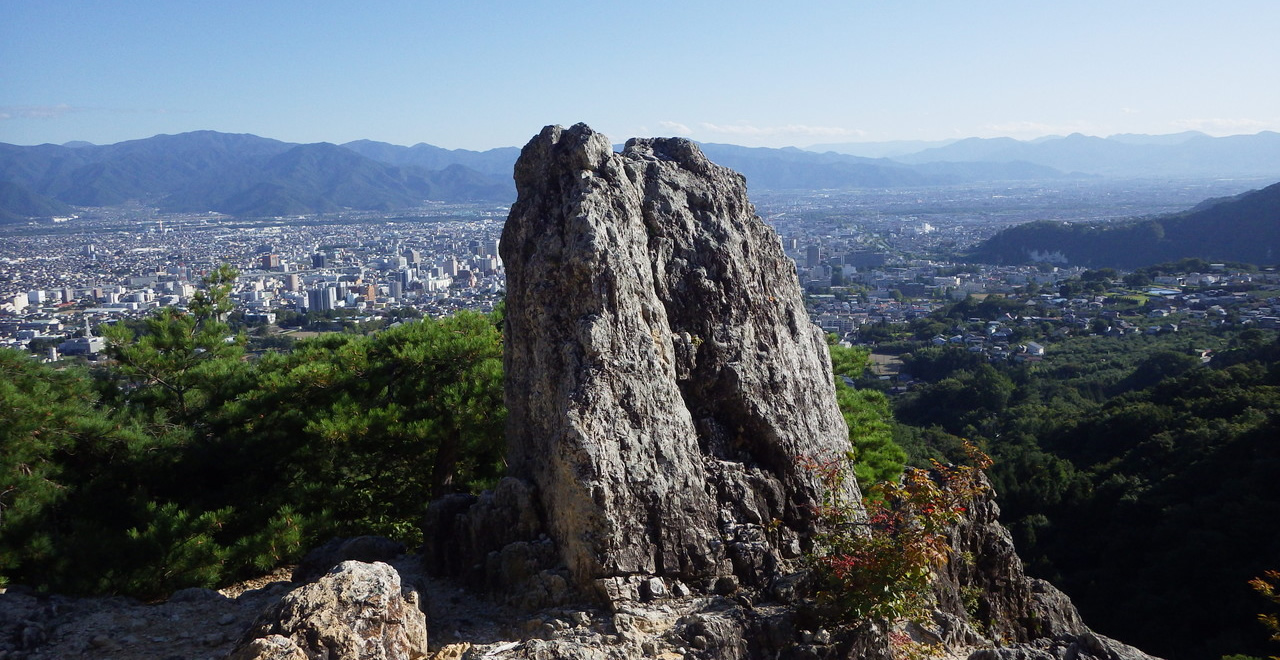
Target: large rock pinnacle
x,y
664,382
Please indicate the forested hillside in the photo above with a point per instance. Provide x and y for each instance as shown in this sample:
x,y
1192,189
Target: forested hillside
x,y
1245,228
1134,475
185,465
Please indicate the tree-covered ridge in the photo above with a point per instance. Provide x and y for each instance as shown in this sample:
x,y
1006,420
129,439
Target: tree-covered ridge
x,y
185,465
1242,228
18,203
1135,476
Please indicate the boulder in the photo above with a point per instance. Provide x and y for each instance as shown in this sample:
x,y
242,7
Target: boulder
x,y
357,611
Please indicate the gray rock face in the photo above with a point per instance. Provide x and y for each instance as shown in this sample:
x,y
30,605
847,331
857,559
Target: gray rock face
x,y
271,647
358,610
983,594
1087,646
663,378
1003,600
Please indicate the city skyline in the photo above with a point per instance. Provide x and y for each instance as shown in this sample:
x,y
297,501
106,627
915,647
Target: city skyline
x,y
490,74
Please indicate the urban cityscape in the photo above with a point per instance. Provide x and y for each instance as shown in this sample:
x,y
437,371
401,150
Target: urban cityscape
x,y
864,258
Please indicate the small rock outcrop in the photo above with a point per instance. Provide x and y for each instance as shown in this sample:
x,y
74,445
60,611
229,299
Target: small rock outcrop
x,y
357,610
664,383
983,595
494,542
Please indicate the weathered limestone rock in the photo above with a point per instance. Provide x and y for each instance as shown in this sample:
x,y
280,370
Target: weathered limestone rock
x,y
271,647
1087,646
663,378
983,594
358,610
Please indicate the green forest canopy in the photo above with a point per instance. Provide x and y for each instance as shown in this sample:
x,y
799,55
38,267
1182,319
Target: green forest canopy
x,y
1133,475
185,465
1138,479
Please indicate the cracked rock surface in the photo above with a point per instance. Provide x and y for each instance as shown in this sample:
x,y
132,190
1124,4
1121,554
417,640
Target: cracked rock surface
x,y
664,382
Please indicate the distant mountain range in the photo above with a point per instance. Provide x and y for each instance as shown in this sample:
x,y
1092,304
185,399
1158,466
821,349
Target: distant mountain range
x,y
250,176
888,149
494,162
1244,228
1184,155
796,169
241,175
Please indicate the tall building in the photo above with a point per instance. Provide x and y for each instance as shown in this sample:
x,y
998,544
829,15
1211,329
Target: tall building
x,y
322,299
865,259
270,262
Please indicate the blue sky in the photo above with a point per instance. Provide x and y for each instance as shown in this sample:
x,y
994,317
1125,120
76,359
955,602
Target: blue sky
x,y
481,73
